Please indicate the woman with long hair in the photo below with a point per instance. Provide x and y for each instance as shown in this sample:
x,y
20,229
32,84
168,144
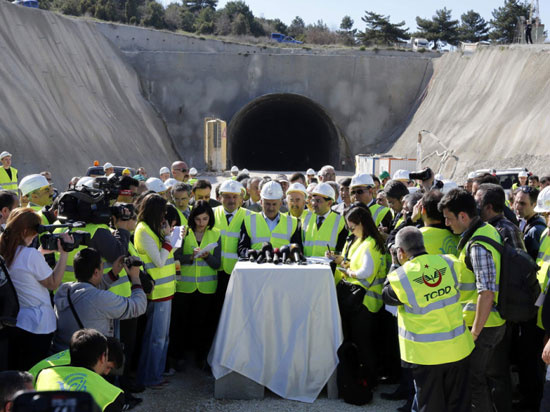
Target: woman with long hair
x,y
155,250
30,340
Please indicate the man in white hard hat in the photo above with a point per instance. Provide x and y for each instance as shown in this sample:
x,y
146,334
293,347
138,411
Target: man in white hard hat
x,y
180,171
270,225
310,174
362,190
8,174
193,176
327,174
38,192
164,173
234,172
108,168
296,196
323,227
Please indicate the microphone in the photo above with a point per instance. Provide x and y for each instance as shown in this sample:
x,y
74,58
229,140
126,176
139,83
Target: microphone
x,y
251,255
267,250
295,252
285,254
261,257
276,252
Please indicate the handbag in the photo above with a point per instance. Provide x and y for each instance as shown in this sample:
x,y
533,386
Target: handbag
x,y
350,296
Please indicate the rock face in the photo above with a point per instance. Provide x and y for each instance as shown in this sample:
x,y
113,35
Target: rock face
x,y
490,107
68,98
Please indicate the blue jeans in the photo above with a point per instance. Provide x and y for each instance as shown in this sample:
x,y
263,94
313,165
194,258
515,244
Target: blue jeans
x,y
155,343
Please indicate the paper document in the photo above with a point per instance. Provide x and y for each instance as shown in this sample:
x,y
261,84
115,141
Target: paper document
x,y
177,236
207,248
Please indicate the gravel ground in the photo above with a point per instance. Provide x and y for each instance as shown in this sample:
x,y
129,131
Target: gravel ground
x,y
193,390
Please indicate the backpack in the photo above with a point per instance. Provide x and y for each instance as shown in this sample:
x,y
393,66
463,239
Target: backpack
x,y
351,376
9,303
519,287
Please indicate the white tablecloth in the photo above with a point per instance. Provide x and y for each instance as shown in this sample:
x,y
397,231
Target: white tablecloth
x,y
280,326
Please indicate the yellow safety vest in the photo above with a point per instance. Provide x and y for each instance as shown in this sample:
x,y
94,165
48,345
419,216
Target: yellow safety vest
x,y
258,231
316,240
373,284
431,328
123,285
76,379
62,358
5,182
230,235
544,248
192,181
198,275
543,275
467,280
91,228
378,213
439,241
183,219
165,276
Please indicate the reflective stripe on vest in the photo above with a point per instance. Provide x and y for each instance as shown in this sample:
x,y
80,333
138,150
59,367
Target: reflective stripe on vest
x,y
258,230
230,235
165,276
316,241
5,182
378,213
543,276
198,275
467,279
123,286
544,248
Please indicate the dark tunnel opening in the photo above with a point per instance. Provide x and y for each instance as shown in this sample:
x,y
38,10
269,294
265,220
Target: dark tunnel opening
x,y
283,132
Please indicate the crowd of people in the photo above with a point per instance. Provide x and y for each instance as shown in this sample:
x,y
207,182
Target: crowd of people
x,y
417,268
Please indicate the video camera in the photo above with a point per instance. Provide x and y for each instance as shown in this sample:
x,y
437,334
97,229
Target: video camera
x,y
48,241
66,401
424,174
118,211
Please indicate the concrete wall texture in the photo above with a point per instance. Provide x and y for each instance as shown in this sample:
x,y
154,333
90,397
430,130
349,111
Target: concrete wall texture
x,y
370,96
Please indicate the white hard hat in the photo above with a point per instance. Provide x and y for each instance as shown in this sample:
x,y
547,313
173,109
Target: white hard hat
x,y
164,170
86,181
543,201
448,185
472,175
155,184
234,169
413,189
193,171
272,190
439,176
4,154
297,187
324,189
32,182
107,166
245,171
231,186
402,175
170,182
523,173
362,179
310,172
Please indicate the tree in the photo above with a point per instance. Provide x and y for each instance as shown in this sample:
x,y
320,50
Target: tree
x,y
172,16
187,20
280,27
131,11
474,28
347,23
240,25
440,27
297,27
380,30
154,15
204,24
347,31
505,20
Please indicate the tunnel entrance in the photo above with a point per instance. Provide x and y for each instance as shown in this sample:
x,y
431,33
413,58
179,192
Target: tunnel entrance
x,y
283,132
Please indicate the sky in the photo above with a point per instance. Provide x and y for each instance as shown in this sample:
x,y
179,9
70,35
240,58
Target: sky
x,y
332,11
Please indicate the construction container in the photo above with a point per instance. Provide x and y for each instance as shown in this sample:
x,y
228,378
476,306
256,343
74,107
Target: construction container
x,y
376,164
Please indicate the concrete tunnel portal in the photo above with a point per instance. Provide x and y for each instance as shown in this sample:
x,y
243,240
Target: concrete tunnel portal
x,y
283,131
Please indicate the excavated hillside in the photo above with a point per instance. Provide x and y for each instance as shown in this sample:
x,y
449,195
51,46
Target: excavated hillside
x,y
491,107
68,98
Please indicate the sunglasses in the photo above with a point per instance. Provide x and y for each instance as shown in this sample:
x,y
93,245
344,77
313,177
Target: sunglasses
x,y
180,170
358,191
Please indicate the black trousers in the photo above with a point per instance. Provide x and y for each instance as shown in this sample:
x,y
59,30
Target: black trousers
x,y
387,345
443,387
498,372
26,349
128,337
530,365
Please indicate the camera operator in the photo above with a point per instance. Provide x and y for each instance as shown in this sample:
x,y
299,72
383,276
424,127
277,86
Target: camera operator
x,y
426,179
128,189
87,303
30,340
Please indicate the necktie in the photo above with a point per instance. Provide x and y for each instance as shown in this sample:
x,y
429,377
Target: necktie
x,y
320,221
229,216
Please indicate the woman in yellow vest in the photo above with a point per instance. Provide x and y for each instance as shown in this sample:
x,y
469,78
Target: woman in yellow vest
x,y
197,284
366,268
155,250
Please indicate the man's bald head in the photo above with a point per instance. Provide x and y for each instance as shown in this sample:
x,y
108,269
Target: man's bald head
x,y
180,171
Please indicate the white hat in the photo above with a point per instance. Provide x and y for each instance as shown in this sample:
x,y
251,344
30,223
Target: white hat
x,y
193,171
297,187
402,175
155,184
86,181
234,169
310,172
362,179
310,187
164,170
448,185
413,189
107,166
472,175
4,154
245,171
32,182
324,189
439,176
272,190
523,173
170,182
543,201
231,186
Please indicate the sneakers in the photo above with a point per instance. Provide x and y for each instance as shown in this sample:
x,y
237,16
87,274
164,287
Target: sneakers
x,y
130,402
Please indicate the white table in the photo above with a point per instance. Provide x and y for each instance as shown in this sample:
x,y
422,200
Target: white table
x,y
280,327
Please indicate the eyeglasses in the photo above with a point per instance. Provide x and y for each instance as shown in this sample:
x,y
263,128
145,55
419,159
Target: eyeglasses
x,y
359,191
527,189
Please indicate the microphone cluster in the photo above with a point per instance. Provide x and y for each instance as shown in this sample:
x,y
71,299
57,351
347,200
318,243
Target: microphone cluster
x,y
287,254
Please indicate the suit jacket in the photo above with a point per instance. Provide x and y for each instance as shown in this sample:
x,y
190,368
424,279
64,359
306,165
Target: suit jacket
x,y
255,207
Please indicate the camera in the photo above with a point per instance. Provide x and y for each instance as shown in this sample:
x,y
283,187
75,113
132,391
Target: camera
x,y
120,211
424,174
132,261
48,241
66,401
108,185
